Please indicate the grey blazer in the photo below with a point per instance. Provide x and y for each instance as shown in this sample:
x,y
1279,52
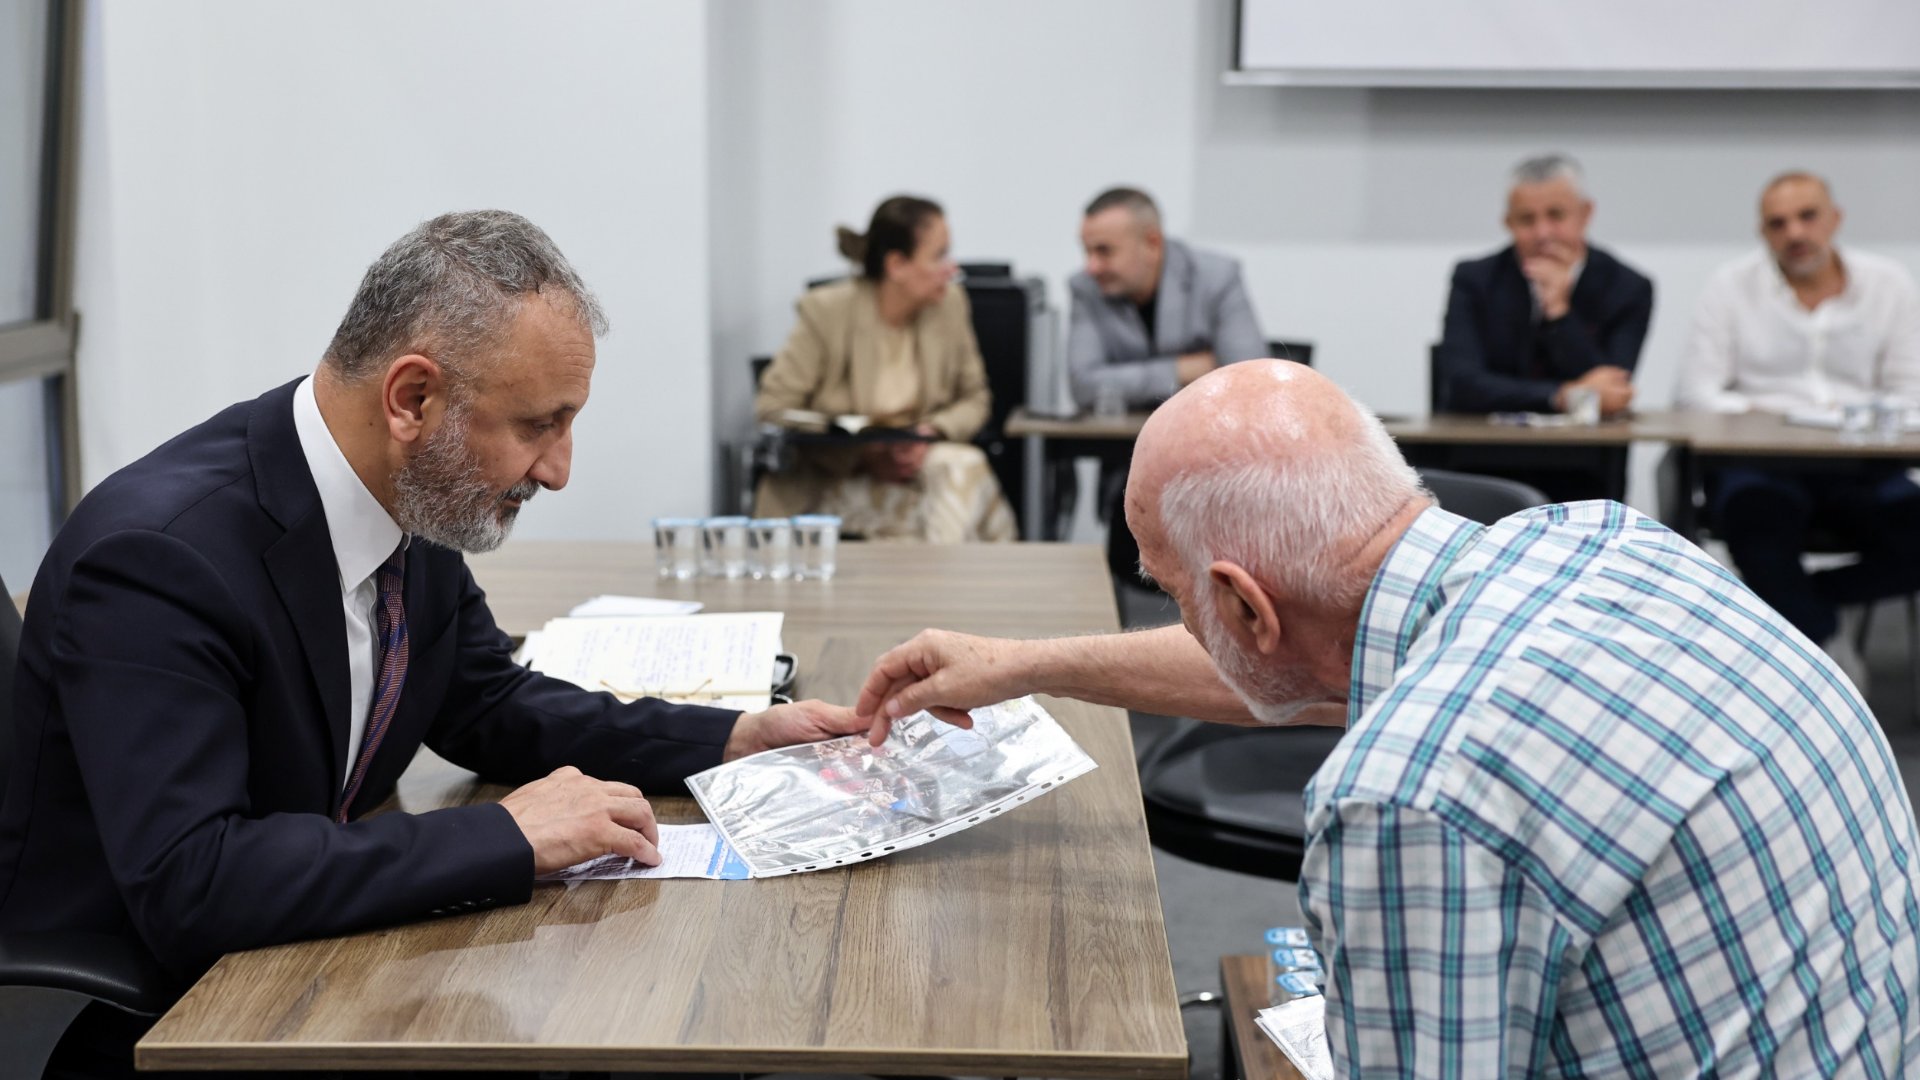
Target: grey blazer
x,y
1202,305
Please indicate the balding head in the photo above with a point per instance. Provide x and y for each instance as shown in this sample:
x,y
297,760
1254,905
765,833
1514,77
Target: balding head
x,y
1262,494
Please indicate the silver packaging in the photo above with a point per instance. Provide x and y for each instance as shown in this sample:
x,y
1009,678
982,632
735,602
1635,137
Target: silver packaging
x,y
828,804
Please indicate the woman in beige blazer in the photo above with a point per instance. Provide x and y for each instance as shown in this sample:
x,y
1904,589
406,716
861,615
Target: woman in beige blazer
x,y
894,344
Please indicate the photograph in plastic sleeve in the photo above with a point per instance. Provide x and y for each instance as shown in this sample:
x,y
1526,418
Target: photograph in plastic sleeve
x,y
827,804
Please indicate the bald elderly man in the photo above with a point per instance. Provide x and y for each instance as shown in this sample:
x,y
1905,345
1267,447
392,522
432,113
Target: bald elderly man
x,y
1599,810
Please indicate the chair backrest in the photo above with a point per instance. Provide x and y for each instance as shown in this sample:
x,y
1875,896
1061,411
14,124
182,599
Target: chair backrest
x,y
1436,386
1300,352
9,656
758,365
1485,499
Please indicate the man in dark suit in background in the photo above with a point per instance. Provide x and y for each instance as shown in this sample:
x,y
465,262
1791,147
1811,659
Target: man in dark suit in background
x,y
236,645
1532,326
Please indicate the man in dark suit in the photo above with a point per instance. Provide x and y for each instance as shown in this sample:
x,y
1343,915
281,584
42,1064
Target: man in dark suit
x,y
1541,324
236,645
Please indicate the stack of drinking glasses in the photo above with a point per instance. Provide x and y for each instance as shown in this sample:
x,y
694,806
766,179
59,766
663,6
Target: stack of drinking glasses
x,y
805,546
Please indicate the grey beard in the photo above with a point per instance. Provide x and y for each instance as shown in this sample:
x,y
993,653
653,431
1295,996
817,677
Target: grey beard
x,y
441,496
1275,698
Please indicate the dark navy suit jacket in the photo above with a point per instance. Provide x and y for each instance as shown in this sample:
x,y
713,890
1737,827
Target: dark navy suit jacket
x,y
180,718
1493,356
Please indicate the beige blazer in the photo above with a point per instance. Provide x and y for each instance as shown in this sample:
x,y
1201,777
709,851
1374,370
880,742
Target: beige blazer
x,y
829,363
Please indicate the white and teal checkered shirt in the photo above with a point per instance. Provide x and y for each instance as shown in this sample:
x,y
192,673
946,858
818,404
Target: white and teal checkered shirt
x,y
1602,812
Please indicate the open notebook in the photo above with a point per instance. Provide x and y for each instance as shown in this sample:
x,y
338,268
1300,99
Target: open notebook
x,y
723,660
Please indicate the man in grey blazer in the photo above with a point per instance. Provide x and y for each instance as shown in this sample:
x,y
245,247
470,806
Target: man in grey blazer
x,y
1151,314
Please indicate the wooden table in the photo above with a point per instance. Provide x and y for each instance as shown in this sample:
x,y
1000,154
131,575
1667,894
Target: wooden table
x,y
1251,1055
1031,946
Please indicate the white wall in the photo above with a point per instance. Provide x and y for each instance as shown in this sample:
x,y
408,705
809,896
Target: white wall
x,y
1348,207
242,163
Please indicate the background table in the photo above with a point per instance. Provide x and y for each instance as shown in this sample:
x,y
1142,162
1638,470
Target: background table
x,y
1031,945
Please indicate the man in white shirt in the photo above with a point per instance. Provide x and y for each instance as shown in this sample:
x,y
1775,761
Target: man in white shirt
x,y
1797,326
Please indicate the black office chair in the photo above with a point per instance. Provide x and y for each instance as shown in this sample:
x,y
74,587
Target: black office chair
x,y
48,977
1300,352
1234,797
1485,499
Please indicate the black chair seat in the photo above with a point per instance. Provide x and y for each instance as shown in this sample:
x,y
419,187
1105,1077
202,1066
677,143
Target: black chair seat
x,y
104,968
1233,797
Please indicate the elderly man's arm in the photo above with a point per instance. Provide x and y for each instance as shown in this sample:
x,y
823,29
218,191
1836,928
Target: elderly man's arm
x,y
1158,671
1442,959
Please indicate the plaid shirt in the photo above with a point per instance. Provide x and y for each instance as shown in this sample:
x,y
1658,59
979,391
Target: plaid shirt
x,y
1602,812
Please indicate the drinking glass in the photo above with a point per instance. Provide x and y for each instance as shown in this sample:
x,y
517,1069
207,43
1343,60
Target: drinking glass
x,y
676,547
816,544
770,548
726,546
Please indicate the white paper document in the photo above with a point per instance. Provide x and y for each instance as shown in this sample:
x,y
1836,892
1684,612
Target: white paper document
x,y
828,804
1299,1029
601,607
686,851
722,660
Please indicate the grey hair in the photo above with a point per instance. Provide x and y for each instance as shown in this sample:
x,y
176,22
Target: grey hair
x,y
1136,202
1292,521
1547,168
450,288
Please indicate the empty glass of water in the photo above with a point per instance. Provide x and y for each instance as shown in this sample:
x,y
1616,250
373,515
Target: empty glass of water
x,y
676,547
726,547
770,548
816,545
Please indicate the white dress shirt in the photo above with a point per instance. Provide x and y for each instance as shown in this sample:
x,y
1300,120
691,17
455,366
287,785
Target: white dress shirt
x,y
364,536
1754,346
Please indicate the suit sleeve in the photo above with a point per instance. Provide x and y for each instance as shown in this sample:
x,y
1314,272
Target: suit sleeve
x,y
970,402
1139,382
152,658
1575,346
1236,333
513,725
1467,383
794,376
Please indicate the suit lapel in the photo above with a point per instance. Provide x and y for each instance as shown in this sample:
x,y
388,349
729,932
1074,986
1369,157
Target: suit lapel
x,y
301,563
1170,310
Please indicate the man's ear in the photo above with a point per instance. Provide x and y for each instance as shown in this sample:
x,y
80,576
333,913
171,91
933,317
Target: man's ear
x,y
1245,607
413,396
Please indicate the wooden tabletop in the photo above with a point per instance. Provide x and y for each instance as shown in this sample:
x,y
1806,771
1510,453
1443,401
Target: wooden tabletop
x,y
1031,945
1244,982
1753,434
1757,434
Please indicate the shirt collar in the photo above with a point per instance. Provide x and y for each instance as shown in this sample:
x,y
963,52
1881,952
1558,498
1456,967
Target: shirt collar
x,y
363,533
1404,595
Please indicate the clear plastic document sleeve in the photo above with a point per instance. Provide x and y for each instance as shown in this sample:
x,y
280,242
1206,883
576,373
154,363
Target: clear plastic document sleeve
x,y
829,804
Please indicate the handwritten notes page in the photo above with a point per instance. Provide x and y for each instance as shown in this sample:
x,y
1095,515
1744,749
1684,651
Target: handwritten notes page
x,y
723,660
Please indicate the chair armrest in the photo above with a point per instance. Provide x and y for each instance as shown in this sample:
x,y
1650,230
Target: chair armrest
x,y
108,969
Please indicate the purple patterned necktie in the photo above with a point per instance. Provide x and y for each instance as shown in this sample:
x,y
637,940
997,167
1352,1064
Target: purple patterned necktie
x,y
390,622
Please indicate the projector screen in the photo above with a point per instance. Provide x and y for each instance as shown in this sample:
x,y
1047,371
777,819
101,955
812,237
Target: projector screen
x,y
1580,43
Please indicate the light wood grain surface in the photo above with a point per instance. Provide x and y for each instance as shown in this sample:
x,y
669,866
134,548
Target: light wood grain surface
x,y
1243,979
1754,434
1032,945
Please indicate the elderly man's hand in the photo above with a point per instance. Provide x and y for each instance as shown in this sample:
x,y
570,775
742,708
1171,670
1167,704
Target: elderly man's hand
x,y
946,674
790,725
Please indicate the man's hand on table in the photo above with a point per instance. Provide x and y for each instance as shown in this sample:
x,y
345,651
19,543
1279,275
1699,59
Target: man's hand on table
x,y
790,725
569,817
946,674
